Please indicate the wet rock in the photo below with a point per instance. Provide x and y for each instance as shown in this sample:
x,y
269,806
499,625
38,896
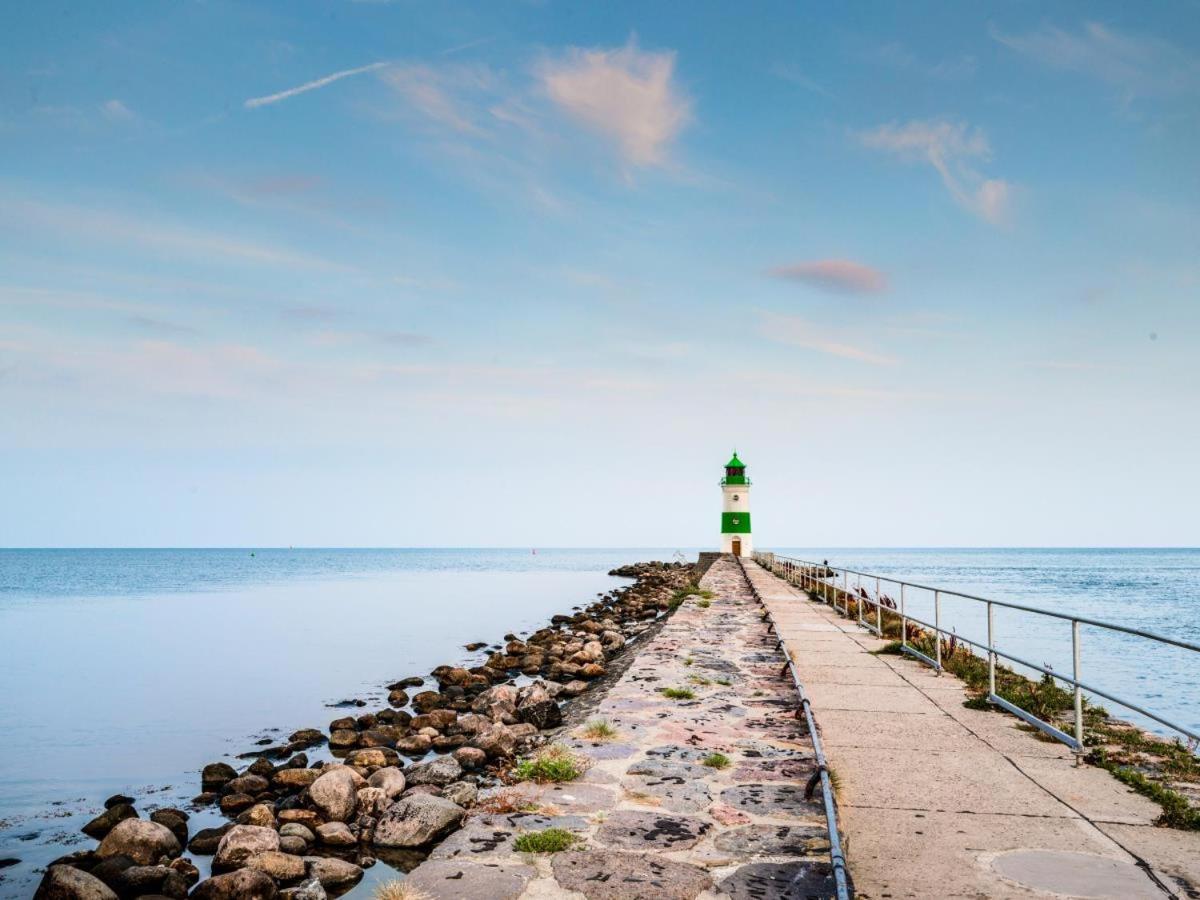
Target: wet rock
x,y
137,881
609,875
117,799
463,793
343,738
293,845
250,783
232,804
441,771
186,868
206,840
306,737
216,775
336,834
536,707
372,758
381,736
107,820
333,874
474,645
417,819
259,814
415,745
174,819
427,700
334,794
305,817
242,842
470,757
244,884
306,890
390,779
496,741
295,829
372,801
592,670
398,697
67,883
283,867
498,703
411,681
142,841
295,779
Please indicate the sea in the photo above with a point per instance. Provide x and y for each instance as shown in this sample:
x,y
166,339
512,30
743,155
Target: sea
x,y
127,670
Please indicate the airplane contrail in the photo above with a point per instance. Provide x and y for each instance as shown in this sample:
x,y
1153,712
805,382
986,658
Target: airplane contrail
x,y
255,102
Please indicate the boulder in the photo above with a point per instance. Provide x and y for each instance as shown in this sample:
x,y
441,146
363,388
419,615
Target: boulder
x,y
496,741
138,881
463,793
174,819
398,697
107,820
417,819
305,817
242,842
414,745
295,779
295,829
306,890
66,883
216,775
498,703
372,801
390,779
342,738
293,845
306,737
427,700
187,869
283,867
206,840
336,834
333,874
372,757
142,841
440,771
250,783
259,814
244,884
334,794
470,757
536,707
232,804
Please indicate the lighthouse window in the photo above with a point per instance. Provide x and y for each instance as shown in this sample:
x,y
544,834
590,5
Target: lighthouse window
x,y
735,521
735,496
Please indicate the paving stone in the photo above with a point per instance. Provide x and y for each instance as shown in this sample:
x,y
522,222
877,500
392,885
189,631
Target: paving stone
x,y
466,880
780,881
773,840
675,795
771,800
633,830
611,875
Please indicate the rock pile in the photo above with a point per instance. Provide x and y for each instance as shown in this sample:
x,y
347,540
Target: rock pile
x,y
406,777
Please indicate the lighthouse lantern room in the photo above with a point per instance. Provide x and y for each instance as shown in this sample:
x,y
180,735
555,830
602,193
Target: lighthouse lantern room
x,y
735,509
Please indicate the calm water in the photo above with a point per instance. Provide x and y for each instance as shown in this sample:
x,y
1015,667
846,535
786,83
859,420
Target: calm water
x,y
127,670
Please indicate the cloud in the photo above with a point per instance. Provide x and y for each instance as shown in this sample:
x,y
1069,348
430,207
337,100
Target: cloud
x,y
948,147
792,73
116,111
439,93
839,276
896,56
624,94
1137,66
255,102
799,332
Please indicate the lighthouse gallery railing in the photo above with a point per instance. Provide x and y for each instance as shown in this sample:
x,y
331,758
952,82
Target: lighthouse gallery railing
x,y
821,579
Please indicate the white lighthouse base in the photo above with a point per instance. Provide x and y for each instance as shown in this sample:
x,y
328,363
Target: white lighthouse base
x,y
737,544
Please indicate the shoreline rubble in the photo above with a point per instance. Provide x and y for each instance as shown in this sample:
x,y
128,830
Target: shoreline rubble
x,y
402,779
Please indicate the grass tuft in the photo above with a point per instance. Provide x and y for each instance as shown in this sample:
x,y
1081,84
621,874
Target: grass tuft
x,y
399,890
704,604
551,840
599,730
716,761
677,693
553,764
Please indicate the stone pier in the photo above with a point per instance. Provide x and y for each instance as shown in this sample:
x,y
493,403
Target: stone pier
x,y
699,796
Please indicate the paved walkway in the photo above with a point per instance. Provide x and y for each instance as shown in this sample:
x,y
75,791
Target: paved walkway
x,y
652,819
937,800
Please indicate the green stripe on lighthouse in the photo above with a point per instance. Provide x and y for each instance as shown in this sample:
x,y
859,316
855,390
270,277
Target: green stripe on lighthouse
x,y
735,523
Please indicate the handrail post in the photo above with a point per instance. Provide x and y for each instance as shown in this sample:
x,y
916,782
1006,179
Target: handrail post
x,y
937,630
991,652
878,610
858,600
845,593
903,619
1078,691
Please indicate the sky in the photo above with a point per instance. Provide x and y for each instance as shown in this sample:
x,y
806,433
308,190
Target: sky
x,y
523,274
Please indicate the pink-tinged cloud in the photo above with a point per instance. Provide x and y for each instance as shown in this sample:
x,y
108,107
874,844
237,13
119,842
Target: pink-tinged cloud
x,y
625,94
839,276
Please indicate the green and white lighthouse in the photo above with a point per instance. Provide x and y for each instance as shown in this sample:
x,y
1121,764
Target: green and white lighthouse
x,y
735,509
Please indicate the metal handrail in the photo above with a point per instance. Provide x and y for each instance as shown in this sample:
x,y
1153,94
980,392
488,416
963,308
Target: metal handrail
x,y
813,575
837,857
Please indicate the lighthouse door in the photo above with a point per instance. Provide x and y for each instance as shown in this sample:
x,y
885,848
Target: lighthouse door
x,y
737,546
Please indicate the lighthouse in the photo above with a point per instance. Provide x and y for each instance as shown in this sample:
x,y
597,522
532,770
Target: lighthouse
x,y
735,509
